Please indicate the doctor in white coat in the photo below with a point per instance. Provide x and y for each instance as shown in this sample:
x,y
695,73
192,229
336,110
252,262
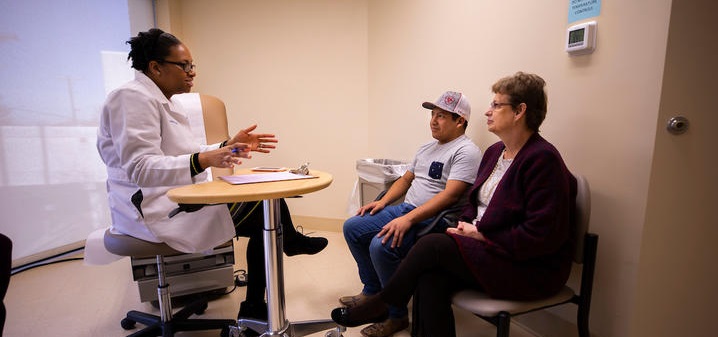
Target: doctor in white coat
x,y
145,140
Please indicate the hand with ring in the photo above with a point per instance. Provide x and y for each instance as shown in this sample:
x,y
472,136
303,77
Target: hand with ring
x,y
259,142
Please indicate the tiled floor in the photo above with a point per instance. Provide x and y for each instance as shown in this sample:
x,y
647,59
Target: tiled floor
x,y
74,300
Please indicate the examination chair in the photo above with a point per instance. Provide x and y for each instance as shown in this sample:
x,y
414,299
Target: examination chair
x,y
167,324
499,312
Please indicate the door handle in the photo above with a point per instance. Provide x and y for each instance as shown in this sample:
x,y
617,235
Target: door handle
x,y
677,125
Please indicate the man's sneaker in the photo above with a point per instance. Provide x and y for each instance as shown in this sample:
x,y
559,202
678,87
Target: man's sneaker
x,y
350,301
302,244
386,328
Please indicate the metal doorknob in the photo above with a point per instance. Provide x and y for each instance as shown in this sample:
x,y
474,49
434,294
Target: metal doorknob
x,y
677,125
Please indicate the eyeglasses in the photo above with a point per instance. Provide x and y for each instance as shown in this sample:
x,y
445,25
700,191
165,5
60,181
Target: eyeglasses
x,y
186,66
493,105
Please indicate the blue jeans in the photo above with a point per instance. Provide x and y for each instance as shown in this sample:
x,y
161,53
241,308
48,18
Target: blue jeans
x,y
376,261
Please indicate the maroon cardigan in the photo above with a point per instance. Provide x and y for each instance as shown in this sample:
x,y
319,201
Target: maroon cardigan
x,y
528,224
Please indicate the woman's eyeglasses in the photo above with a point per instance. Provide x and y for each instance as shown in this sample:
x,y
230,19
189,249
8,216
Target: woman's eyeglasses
x,y
493,105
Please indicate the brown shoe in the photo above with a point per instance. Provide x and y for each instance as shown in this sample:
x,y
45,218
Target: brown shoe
x,y
350,301
386,328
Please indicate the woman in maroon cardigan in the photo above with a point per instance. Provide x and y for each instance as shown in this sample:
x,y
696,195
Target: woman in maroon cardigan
x,y
513,241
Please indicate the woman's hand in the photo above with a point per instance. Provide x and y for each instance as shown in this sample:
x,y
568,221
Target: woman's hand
x,y
262,142
466,229
227,156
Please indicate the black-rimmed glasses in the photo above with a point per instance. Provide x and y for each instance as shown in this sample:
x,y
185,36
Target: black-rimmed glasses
x,y
186,66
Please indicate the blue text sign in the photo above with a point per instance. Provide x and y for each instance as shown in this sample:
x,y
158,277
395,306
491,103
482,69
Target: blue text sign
x,y
582,9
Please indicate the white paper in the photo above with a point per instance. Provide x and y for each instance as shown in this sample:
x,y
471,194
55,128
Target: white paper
x,y
263,177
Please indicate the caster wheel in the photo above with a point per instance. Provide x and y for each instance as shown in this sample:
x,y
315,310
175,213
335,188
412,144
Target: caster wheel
x,y
201,309
127,323
333,333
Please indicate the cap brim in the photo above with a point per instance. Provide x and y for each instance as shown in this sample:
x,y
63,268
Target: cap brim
x,y
429,105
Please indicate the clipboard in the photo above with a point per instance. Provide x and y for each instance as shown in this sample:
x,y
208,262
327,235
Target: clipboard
x,y
242,179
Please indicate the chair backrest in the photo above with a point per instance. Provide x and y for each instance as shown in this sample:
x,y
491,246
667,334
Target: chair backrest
x,y
216,130
214,115
583,215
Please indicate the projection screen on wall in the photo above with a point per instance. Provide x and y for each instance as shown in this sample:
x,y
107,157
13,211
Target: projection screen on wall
x,y
58,59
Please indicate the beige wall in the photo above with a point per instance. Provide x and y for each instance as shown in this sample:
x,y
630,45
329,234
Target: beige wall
x,y
342,80
602,107
297,69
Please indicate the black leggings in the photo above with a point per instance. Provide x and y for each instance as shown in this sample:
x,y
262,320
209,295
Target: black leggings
x,y
249,222
432,272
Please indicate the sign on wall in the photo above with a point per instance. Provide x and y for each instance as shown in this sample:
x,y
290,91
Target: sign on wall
x,y
582,9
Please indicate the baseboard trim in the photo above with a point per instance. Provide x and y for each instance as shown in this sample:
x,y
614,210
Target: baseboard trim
x,y
47,255
317,223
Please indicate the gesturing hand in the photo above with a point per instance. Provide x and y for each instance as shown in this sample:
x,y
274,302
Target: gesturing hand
x,y
260,142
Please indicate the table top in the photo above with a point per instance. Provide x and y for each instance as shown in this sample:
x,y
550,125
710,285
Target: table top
x,y
220,191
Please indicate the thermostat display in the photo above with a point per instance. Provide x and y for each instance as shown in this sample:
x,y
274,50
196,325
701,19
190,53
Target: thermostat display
x,y
581,38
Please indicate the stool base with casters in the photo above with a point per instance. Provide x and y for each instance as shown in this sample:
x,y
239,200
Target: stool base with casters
x,y
166,324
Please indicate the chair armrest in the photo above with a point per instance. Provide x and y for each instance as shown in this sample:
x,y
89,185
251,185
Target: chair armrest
x,y
380,195
446,215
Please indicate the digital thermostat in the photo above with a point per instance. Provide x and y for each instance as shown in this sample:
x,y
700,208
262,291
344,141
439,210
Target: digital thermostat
x,y
581,38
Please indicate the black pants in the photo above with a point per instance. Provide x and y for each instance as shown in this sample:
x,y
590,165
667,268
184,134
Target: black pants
x,y
432,272
249,222
5,269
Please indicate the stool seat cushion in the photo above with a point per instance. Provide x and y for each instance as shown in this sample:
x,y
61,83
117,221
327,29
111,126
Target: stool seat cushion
x,y
126,245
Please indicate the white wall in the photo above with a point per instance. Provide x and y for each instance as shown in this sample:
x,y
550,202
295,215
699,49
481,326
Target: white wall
x,y
341,80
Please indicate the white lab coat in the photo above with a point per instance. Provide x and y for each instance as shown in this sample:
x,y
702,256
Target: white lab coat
x,y
145,141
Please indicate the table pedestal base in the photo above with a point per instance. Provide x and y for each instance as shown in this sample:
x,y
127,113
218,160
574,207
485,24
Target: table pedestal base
x,y
277,324
291,329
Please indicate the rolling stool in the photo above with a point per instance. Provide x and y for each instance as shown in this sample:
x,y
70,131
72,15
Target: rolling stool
x,y
166,324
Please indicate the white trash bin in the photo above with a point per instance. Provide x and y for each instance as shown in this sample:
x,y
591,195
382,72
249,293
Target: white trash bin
x,y
374,176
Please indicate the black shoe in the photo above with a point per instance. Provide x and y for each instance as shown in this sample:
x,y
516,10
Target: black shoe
x,y
373,310
249,333
253,310
302,244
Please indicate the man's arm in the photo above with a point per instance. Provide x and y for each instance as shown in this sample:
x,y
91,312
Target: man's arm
x,y
442,200
396,191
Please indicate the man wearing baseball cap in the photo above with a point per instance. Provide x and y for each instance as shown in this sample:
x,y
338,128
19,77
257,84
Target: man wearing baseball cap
x,y
381,234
